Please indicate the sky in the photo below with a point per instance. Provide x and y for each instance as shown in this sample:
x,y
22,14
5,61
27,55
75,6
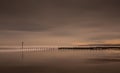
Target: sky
x,y
59,22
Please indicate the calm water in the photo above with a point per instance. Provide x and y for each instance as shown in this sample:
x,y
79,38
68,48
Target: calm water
x,y
52,60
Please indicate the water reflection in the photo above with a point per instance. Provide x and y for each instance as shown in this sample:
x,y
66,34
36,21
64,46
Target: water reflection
x,y
52,60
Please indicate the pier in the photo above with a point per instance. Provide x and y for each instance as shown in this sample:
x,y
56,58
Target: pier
x,y
91,48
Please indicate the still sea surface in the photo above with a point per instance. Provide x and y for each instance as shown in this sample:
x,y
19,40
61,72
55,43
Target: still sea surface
x,y
53,60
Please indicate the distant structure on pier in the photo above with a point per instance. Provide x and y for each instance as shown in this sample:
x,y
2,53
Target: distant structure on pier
x,y
22,52
22,45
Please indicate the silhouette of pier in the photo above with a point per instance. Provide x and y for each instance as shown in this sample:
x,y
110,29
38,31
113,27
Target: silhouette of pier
x,y
33,49
92,48
37,49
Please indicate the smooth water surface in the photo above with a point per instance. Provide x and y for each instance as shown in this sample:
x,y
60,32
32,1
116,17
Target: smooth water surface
x,y
53,60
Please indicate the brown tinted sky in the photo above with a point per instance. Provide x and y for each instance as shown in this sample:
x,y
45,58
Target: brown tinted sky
x,y
59,22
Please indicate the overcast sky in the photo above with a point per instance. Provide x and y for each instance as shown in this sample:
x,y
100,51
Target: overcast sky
x,y
59,22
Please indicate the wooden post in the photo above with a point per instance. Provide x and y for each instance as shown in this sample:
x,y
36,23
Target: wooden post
x,y
22,50
22,44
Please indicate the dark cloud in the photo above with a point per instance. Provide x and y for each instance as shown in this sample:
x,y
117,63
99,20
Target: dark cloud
x,y
30,15
105,37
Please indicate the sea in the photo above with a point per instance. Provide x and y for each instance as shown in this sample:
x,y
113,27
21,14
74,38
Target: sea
x,y
50,59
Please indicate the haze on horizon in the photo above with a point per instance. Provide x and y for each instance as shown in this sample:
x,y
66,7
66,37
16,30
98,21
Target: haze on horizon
x,y
59,22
